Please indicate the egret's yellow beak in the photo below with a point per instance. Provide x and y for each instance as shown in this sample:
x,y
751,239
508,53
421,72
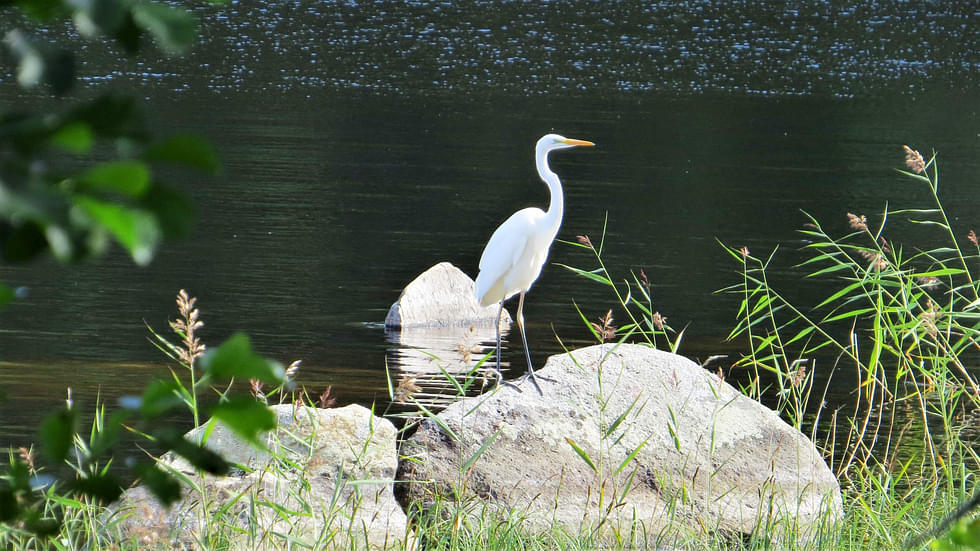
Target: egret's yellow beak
x,y
570,141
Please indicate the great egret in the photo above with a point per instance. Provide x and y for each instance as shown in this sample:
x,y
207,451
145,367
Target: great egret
x,y
515,254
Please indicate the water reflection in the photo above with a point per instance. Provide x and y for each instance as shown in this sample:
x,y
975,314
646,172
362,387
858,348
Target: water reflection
x,y
431,365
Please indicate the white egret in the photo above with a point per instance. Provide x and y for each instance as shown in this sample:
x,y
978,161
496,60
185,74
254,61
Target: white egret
x,y
517,250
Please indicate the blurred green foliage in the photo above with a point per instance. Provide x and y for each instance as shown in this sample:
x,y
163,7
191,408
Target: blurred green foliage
x,y
72,181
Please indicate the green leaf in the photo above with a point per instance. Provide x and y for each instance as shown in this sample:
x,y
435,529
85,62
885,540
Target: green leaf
x,y
57,432
25,241
583,454
174,212
6,294
74,137
41,526
849,314
201,457
93,18
235,358
9,510
112,116
134,229
164,486
42,10
131,178
39,63
185,150
104,487
160,396
174,29
246,417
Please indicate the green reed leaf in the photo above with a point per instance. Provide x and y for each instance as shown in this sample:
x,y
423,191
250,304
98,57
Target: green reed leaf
x,y
631,456
593,275
479,453
583,454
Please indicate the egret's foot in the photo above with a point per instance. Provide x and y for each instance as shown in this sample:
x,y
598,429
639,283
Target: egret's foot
x,y
501,382
530,375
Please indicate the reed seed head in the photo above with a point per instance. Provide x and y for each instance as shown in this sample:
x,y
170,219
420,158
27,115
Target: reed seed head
x,y
293,369
255,386
972,236
875,259
186,326
799,375
914,160
857,222
27,456
584,239
658,320
406,388
605,328
325,400
929,316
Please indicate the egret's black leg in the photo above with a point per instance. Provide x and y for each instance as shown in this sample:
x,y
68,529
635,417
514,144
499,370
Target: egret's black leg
x,y
527,353
500,374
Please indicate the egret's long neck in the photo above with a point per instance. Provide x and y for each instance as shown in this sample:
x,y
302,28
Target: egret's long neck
x,y
557,206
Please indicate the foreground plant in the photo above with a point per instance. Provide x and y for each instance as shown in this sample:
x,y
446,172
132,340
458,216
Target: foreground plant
x,y
75,177
905,322
43,495
633,297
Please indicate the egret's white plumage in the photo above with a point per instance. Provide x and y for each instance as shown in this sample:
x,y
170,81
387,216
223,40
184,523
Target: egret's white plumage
x,y
517,250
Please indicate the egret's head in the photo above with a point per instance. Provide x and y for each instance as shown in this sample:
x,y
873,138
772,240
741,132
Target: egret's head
x,y
550,142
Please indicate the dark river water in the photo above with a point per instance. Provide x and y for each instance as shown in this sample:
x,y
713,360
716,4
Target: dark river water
x,y
363,142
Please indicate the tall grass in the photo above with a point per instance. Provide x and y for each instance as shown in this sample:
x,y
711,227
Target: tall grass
x,y
901,329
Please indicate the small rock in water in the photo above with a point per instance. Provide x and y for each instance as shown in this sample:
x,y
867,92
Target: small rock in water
x,y
443,296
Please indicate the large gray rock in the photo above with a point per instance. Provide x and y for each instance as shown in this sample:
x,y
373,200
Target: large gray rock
x,y
672,448
334,473
442,296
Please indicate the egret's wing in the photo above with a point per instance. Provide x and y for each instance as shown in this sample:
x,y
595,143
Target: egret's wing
x,y
502,253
